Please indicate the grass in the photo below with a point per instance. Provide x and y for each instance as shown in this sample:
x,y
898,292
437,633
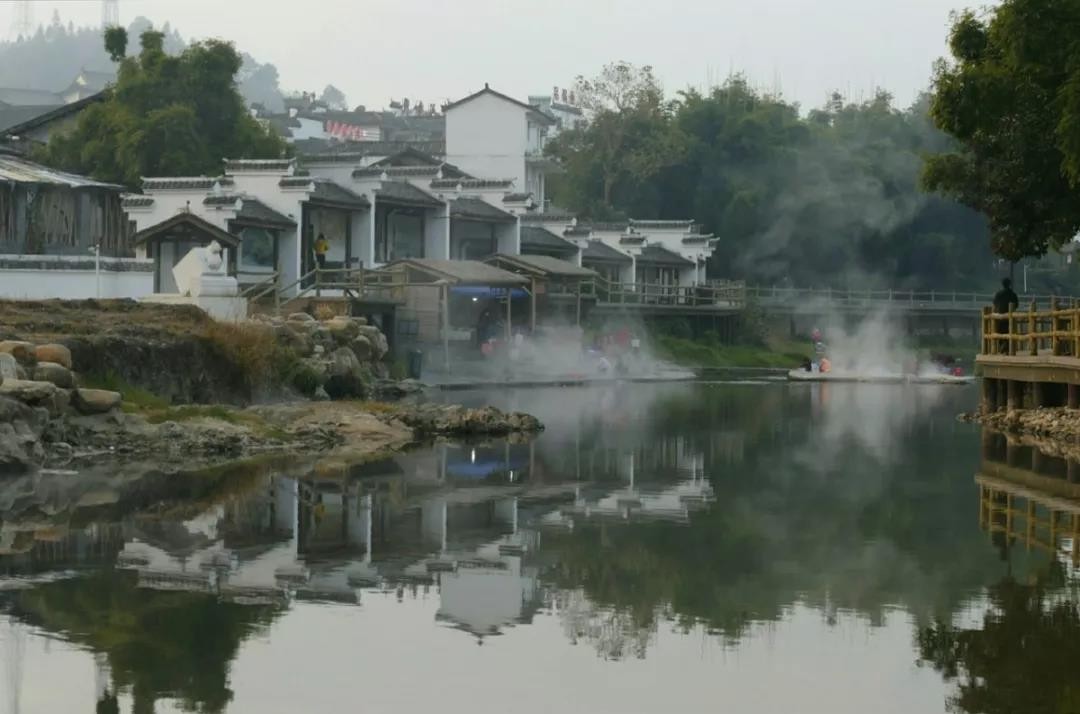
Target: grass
x,y
136,399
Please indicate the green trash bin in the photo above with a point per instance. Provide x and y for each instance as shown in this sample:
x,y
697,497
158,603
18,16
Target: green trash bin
x,y
416,364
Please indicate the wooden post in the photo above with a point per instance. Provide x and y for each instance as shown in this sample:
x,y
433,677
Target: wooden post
x,y
1011,348
532,316
1033,342
1055,324
445,310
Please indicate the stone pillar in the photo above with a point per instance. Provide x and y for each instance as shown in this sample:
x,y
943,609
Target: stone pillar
x,y
1074,396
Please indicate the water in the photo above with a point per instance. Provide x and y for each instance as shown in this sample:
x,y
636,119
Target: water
x,y
679,548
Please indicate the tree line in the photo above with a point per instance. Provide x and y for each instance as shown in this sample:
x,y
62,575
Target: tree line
x,y
980,172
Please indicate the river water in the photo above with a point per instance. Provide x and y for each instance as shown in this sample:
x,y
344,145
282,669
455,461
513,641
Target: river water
x,y
743,547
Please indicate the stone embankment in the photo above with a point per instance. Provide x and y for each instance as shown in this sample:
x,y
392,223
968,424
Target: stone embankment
x,y
1050,423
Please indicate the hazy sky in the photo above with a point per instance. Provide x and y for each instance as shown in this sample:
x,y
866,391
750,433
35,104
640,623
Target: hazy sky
x,y
434,50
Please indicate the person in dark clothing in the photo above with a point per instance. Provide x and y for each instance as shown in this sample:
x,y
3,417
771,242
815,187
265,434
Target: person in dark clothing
x,y
1005,301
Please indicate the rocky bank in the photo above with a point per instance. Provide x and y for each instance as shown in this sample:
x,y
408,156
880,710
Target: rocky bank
x,y
1052,424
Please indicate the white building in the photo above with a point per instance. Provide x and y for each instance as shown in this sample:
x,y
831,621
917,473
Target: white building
x,y
492,135
562,108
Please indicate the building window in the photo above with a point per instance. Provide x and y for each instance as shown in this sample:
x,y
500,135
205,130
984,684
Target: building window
x,y
256,249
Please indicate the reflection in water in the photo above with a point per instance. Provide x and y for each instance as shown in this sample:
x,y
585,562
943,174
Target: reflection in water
x,y
725,513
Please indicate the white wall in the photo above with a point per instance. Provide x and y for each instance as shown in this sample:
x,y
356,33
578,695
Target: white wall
x,y
508,238
66,284
487,137
437,233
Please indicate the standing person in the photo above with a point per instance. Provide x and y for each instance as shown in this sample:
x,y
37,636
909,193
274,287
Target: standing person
x,y
322,247
1005,301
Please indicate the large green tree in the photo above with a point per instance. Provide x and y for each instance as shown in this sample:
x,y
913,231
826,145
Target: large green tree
x,y
1011,97
167,115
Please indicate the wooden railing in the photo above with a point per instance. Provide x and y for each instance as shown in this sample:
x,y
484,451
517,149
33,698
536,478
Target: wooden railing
x,y
1053,331
732,295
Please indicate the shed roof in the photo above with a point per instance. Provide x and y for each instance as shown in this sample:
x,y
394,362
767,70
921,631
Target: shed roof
x,y
45,114
15,170
404,193
461,272
537,237
184,224
598,250
474,209
659,255
541,266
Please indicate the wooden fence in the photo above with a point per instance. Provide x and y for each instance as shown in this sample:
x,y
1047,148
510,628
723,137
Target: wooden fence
x,y
1053,331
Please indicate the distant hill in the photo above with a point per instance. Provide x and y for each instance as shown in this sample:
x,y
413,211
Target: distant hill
x,y
51,59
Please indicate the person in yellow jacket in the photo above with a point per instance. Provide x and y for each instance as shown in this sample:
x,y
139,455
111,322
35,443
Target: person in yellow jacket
x,y
322,247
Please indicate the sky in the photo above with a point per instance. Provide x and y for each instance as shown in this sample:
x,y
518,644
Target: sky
x,y
440,50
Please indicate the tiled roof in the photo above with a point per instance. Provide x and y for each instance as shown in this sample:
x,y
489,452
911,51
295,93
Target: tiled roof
x,y
474,183
184,182
234,165
189,221
392,171
698,238
636,239
296,182
663,225
330,193
577,231
317,151
517,197
540,238
477,210
611,226
253,211
658,255
224,199
137,200
402,192
17,116
537,217
600,251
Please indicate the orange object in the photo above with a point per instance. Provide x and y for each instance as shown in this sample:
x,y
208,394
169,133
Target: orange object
x,y
826,365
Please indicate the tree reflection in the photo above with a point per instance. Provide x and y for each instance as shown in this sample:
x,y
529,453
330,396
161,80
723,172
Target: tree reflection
x,y
158,644
1023,657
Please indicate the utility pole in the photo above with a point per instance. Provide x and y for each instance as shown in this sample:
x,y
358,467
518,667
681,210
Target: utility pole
x,y
23,24
110,13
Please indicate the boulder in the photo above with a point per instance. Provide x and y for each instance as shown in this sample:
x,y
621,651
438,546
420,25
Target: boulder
x,y
361,321
343,329
96,401
377,340
58,354
300,317
346,378
36,394
362,349
56,373
9,368
20,437
21,351
343,362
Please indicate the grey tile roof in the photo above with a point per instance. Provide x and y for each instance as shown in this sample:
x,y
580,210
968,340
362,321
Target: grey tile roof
x,y
167,183
698,238
465,182
600,251
190,222
25,97
15,116
663,225
402,192
394,171
488,90
577,231
517,197
658,255
468,272
478,210
541,238
332,194
224,199
551,217
610,226
137,200
255,212
318,151
295,182
635,239
234,165
544,265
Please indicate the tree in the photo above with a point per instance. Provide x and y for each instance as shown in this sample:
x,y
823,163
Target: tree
x,y
334,98
1011,98
166,116
629,138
